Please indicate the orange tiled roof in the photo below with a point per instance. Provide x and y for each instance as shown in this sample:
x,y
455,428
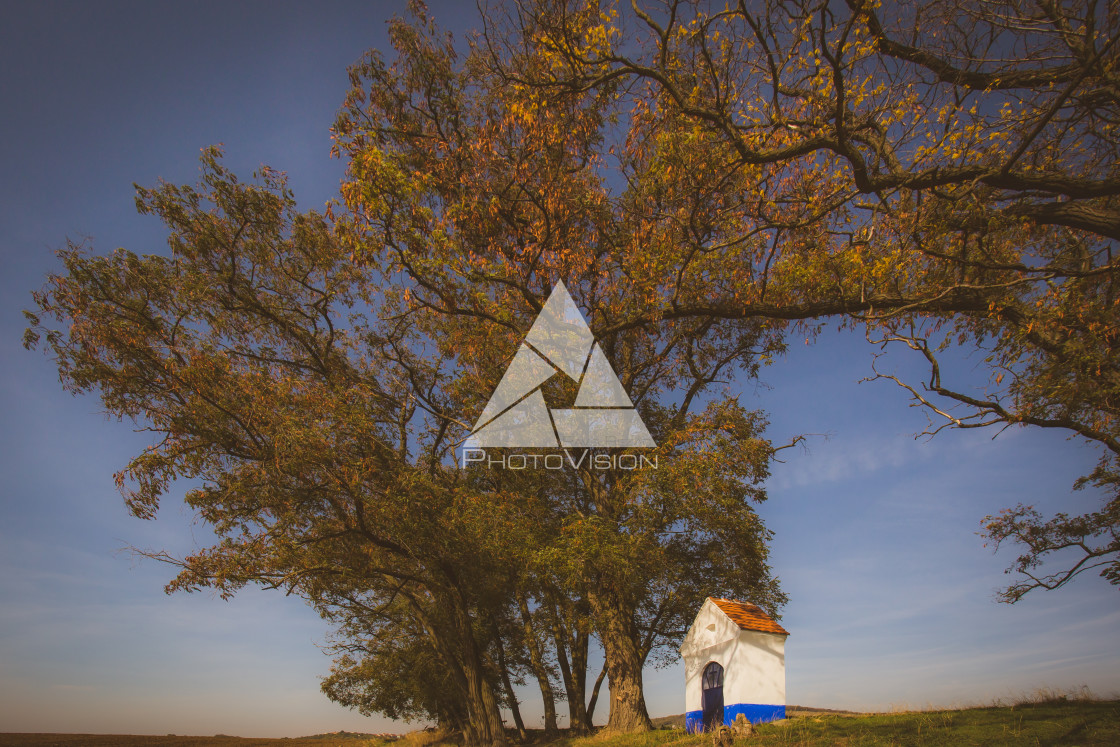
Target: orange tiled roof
x,y
748,616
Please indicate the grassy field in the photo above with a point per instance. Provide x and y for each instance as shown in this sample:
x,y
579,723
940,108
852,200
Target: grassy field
x,y
1068,723
1051,722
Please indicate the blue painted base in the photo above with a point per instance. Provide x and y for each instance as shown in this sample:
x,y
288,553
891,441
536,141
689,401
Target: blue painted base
x,y
756,714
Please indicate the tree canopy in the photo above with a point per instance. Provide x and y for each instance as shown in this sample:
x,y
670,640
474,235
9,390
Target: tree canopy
x,y
942,173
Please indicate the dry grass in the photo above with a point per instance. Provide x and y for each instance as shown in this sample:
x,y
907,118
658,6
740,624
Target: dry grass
x,y
1042,717
424,738
1052,695
1045,716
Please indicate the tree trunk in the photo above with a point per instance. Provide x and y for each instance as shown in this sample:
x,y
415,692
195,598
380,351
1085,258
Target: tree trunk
x,y
624,666
485,711
579,643
511,698
488,716
457,647
514,708
573,672
573,688
470,735
595,694
574,693
536,660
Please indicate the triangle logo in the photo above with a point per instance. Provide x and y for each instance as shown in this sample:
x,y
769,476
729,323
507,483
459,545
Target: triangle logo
x,y
559,342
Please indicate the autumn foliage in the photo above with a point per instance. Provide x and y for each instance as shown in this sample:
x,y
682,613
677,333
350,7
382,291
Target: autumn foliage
x,y
940,174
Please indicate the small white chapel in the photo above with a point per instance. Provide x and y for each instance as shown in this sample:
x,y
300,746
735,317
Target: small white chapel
x,y
735,662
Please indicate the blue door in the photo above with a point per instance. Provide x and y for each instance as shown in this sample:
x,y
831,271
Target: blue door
x,y
711,696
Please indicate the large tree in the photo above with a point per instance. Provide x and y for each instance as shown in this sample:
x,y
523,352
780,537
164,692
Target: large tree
x,y
252,353
941,173
314,377
478,197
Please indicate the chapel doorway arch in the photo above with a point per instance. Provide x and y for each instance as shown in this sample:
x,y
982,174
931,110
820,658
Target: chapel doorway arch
x,y
711,698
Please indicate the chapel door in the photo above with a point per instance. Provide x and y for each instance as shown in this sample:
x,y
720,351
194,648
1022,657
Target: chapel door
x,y
712,696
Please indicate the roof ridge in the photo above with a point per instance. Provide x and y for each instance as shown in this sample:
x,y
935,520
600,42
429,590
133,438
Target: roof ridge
x,y
748,615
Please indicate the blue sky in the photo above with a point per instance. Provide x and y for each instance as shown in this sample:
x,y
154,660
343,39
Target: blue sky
x,y
890,588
